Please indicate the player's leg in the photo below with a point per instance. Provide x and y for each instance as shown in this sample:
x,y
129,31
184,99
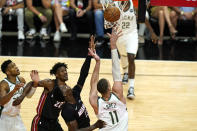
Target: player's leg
x,y
131,47
131,75
123,57
124,63
38,124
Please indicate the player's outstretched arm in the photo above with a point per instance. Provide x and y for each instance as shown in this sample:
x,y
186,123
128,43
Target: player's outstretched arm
x,y
93,96
73,126
28,92
46,83
117,86
86,65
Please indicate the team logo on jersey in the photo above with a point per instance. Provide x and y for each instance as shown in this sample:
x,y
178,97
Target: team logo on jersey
x,y
18,93
82,110
131,10
110,105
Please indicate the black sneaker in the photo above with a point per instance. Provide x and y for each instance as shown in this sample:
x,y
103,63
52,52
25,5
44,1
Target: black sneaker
x,y
131,94
125,78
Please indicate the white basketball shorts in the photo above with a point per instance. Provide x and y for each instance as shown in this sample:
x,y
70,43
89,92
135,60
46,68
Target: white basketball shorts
x,y
8,123
128,43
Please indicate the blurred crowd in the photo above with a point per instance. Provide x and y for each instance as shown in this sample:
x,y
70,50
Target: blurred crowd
x,y
44,17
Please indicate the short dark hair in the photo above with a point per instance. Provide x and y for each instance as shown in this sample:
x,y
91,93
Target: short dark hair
x,y
56,66
4,65
102,86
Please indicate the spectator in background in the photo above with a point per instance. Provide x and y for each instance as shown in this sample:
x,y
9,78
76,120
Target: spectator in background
x,y
41,9
163,14
60,8
13,7
80,9
142,26
184,13
99,21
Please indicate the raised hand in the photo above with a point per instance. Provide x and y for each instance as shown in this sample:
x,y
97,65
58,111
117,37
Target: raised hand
x,y
93,54
99,124
92,44
114,37
35,77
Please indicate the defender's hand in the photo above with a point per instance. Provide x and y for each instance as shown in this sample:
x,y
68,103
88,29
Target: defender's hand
x,y
35,77
100,124
18,101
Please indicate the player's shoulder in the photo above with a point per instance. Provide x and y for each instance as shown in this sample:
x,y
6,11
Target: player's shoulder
x,y
3,83
49,80
21,79
115,95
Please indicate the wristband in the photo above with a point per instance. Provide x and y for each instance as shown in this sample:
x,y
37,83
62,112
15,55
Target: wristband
x,y
40,15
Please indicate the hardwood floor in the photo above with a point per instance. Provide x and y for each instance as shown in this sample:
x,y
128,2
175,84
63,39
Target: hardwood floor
x,y
166,92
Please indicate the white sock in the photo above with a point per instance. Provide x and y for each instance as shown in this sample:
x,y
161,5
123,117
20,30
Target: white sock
x,y
131,82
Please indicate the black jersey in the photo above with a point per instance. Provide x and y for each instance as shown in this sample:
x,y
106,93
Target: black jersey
x,y
51,104
76,111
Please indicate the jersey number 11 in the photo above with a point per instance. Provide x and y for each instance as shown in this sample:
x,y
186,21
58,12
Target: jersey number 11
x,y
112,114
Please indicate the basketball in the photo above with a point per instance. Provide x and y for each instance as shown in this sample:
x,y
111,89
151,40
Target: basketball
x,y
112,14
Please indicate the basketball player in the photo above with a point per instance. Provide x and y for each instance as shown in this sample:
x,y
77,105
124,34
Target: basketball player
x,y
111,107
127,44
11,89
74,111
52,101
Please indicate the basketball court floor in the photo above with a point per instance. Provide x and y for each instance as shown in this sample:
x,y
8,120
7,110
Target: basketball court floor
x,y
166,91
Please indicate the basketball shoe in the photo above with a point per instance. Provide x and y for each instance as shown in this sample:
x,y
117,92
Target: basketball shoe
x,y
63,28
31,34
57,36
125,78
43,34
21,35
131,94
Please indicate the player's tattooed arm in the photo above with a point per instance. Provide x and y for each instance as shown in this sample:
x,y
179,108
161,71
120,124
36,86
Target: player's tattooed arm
x,y
46,83
27,89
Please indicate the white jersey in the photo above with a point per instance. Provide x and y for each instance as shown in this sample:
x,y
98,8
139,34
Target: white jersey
x,y
114,113
127,21
9,109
